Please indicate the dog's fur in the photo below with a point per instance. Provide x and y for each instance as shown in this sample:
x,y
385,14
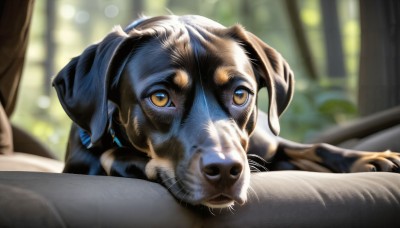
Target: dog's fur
x,y
206,134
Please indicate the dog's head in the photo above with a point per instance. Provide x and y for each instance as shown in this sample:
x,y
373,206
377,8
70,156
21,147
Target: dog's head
x,y
185,91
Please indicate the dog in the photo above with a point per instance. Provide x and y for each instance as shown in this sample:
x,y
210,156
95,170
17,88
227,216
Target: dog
x,y
172,99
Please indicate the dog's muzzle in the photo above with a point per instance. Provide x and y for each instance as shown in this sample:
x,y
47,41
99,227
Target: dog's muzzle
x,y
215,180
223,174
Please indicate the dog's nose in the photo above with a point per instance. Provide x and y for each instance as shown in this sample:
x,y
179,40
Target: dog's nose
x,y
220,169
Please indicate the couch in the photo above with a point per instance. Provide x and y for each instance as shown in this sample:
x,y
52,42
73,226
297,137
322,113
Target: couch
x,y
276,199
33,193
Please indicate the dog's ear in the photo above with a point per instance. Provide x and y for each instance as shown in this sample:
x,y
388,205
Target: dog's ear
x,y
272,71
83,84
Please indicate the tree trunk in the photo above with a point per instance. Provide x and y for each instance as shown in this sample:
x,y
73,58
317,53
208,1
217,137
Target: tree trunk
x,y
301,38
379,79
333,40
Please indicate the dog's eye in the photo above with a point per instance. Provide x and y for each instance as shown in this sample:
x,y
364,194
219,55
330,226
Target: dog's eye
x,y
160,99
240,96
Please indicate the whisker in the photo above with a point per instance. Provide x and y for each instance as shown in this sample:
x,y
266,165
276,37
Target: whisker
x,y
254,193
165,182
231,209
258,157
211,211
180,192
168,179
183,198
257,165
172,185
183,192
254,169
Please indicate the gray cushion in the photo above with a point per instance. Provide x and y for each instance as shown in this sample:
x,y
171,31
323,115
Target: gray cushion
x,y
276,199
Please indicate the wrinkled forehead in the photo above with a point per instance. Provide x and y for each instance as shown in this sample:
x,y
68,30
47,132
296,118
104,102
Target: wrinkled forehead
x,y
193,49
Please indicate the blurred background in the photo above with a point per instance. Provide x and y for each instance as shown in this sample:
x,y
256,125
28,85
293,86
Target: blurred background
x,y
319,38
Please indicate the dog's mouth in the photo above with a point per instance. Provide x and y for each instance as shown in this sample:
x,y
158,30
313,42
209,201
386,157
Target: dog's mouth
x,y
219,201
200,196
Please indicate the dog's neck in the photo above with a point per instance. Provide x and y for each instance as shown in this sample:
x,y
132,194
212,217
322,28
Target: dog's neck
x,y
114,137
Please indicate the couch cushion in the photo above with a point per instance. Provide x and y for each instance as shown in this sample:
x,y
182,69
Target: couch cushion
x,y
276,199
29,162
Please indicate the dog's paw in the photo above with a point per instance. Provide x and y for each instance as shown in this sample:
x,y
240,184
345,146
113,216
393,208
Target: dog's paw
x,y
377,161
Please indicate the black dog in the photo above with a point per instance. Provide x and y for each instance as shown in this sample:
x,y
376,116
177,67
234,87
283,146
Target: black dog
x,y
173,99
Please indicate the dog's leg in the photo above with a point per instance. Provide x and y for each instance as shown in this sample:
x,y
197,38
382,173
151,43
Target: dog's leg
x,y
282,154
328,158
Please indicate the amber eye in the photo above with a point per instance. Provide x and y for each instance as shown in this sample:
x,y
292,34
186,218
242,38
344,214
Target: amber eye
x,y
240,97
160,99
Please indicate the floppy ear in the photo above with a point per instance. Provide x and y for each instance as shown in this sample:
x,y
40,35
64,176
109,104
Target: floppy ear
x,y
83,84
272,71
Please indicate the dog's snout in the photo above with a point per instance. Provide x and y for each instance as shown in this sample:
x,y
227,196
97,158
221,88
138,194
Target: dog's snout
x,y
221,169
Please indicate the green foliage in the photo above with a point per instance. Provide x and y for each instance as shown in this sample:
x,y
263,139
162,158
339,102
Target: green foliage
x,y
315,108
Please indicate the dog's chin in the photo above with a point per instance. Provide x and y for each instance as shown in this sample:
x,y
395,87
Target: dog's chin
x,y
197,195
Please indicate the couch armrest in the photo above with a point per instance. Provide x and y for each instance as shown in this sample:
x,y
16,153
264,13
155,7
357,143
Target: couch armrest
x,y
360,128
284,199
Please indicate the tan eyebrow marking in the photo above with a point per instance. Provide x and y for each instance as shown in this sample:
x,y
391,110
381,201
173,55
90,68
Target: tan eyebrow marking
x,y
181,79
222,75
